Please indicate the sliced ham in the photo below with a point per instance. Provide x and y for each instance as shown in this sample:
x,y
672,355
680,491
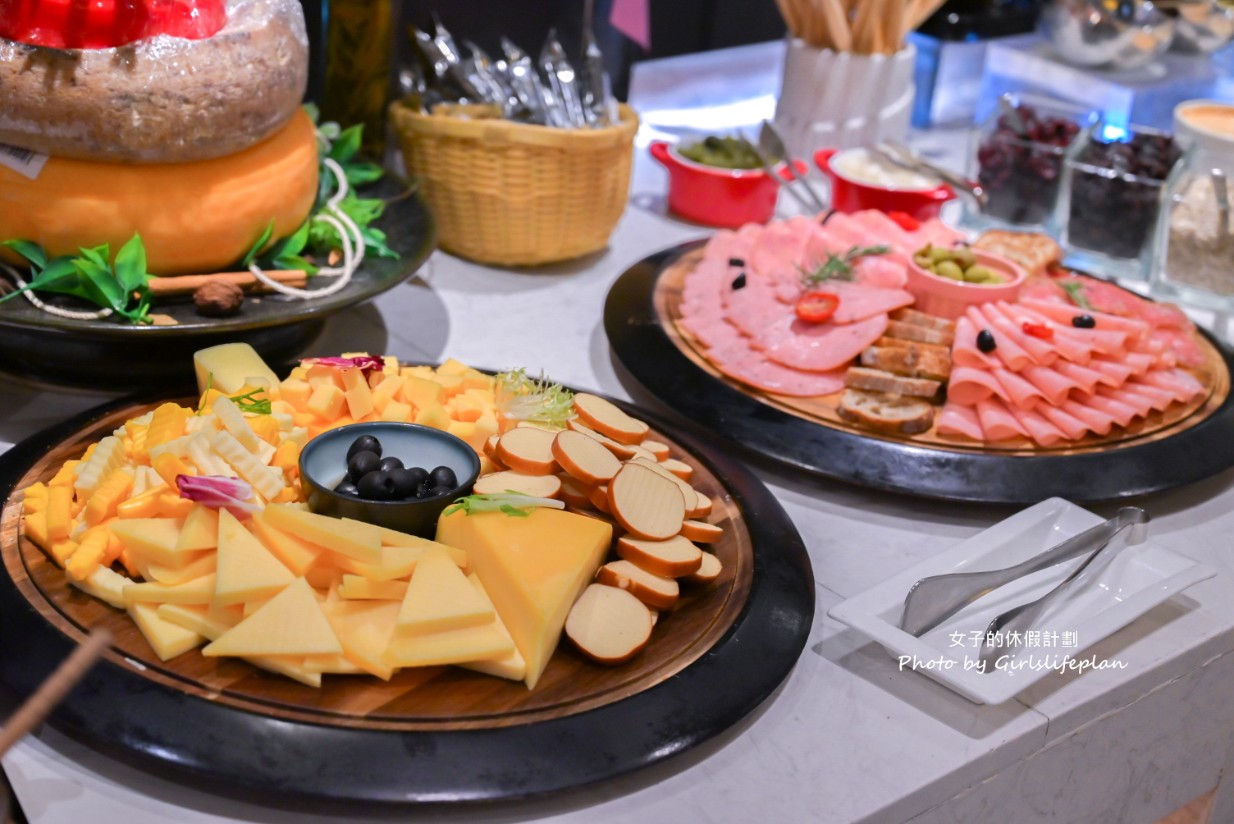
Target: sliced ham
x,y
1122,413
1007,349
1068,424
1183,385
1002,318
1141,404
1086,379
752,308
961,420
1096,420
1067,343
1183,345
1140,362
997,422
712,332
881,270
1020,392
859,301
1038,427
934,232
964,351
1053,385
846,232
740,362
878,225
1065,314
1117,371
820,347
967,386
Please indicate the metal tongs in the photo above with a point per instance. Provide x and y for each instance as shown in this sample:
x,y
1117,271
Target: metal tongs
x,y
899,154
933,600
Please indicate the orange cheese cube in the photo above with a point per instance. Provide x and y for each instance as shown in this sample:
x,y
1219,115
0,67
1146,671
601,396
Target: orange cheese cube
x,y
396,411
451,385
59,505
34,526
434,415
169,466
295,392
385,391
65,476
452,367
475,380
61,551
421,392
466,409
107,497
326,402
359,395
467,431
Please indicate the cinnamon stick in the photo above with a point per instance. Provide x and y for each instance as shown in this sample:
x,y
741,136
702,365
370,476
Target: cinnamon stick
x,y
37,707
188,284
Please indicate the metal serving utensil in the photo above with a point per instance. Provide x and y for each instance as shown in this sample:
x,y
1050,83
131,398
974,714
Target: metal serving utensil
x,y
772,146
1131,528
934,599
595,84
902,156
769,168
563,80
527,85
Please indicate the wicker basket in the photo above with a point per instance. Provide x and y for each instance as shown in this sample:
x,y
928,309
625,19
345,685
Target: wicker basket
x,y
513,194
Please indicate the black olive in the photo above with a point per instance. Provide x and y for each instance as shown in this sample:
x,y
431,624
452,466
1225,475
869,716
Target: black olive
x,y
739,282
986,342
434,491
736,262
376,486
364,443
389,464
443,476
406,481
1084,322
362,463
346,487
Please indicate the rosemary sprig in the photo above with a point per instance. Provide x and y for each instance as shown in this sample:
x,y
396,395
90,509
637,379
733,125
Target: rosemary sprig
x,y
1075,291
840,267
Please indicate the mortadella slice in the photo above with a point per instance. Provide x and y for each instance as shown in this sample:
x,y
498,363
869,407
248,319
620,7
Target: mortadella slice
x,y
1054,386
997,422
964,351
1068,424
820,347
1020,393
967,385
1096,420
740,362
959,419
1067,313
1007,350
859,301
1038,427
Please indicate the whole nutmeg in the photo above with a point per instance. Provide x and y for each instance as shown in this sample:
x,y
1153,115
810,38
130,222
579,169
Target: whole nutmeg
x,y
218,299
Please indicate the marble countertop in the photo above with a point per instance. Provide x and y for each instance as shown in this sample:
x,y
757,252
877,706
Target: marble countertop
x,y
849,737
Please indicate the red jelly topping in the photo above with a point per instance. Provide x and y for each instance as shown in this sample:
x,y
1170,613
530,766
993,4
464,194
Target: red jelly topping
x,y
101,24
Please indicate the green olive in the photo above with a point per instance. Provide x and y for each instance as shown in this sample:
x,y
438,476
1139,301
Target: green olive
x,y
964,256
979,274
938,254
949,269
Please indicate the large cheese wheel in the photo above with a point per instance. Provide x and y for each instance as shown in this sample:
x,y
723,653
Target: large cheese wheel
x,y
161,100
194,218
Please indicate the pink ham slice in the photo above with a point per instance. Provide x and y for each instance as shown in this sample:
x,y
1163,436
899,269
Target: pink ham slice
x,y
1054,386
740,362
957,419
1065,314
997,422
933,231
1115,370
1006,348
1182,344
1039,429
1159,399
964,351
1096,420
712,332
1183,385
967,386
881,270
859,301
1020,392
1067,343
1069,425
1003,318
1140,404
752,308
877,225
820,347
1122,413
1086,379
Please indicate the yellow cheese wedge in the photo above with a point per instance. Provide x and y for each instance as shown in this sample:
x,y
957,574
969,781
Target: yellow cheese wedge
x,y
292,623
439,598
356,587
195,565
202,619
200,530
296,554
331,665
364,628
532,568
166,638
512,665
246,569
154,540
455,646
105,584
354,539
228,367
197,591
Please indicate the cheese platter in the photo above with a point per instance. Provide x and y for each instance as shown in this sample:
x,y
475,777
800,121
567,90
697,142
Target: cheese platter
x,y
924,383
715,647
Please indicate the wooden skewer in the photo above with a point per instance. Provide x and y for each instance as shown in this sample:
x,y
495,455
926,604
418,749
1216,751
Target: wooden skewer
x,y
187,284
894,14
836,17
788,11
36,708
863,27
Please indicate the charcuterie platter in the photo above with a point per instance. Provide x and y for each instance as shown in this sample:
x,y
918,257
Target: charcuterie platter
x,y
428,734
976,431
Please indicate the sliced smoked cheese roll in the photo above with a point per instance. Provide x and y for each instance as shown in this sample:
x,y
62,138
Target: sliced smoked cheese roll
x,y
688,494
194,218
538,486
163,99
707,571
604,417
528,450
609,625
576,494
645,503
701,531
584,458
672,558
656,591
624,451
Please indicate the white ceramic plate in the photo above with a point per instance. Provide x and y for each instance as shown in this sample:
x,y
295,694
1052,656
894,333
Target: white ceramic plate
x,y
1133,582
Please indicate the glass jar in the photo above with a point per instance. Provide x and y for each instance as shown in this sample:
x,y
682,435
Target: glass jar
x,y
1195,235
1017,156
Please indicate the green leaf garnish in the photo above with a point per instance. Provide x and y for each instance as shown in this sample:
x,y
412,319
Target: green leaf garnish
x,y
537,400
122,286
510,502
248,402
255,249
840,267
1075,291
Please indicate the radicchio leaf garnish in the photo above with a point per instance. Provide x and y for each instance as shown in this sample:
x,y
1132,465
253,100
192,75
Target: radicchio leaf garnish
x,y
218,492
365,363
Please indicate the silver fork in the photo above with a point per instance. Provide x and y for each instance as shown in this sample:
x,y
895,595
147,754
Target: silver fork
x,y
934,599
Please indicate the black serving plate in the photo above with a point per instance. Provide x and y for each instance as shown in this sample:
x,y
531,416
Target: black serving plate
x,y
764,433
108,353
250,753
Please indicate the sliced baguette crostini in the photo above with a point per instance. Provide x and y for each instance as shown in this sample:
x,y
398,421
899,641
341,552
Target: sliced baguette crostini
x,y
708,571
538,486
605,418
656,591
584,458
645,503
700,531
527,450
671,558
886,413
609,625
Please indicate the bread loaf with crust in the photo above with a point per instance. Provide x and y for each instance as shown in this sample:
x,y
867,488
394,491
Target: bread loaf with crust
x,y
160,100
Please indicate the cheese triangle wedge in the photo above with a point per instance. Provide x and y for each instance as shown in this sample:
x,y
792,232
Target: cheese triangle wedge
x,y
292,623
440,598
247,571
200,530
364,628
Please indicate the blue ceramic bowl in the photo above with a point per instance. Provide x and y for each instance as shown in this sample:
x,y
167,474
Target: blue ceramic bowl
x,y
323,464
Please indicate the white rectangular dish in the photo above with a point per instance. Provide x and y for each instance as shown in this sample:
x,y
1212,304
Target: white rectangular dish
x,y
1133,582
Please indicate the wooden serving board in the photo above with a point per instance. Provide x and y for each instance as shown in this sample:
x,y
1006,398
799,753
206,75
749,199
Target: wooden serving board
x,y
425,698
822,409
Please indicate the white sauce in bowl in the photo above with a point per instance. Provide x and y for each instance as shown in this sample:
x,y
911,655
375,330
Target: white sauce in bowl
x,y
860,166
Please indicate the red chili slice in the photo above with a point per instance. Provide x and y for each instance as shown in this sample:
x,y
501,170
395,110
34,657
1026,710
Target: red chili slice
x,y
817,307
905,221
1038,330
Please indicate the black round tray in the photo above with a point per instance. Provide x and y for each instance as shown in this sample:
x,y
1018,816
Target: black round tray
x,y
108,353
270,760
788,442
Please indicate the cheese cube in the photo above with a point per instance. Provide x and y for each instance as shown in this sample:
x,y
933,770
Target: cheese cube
x,y
326,402
396,411
421,392
434,415
296,392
